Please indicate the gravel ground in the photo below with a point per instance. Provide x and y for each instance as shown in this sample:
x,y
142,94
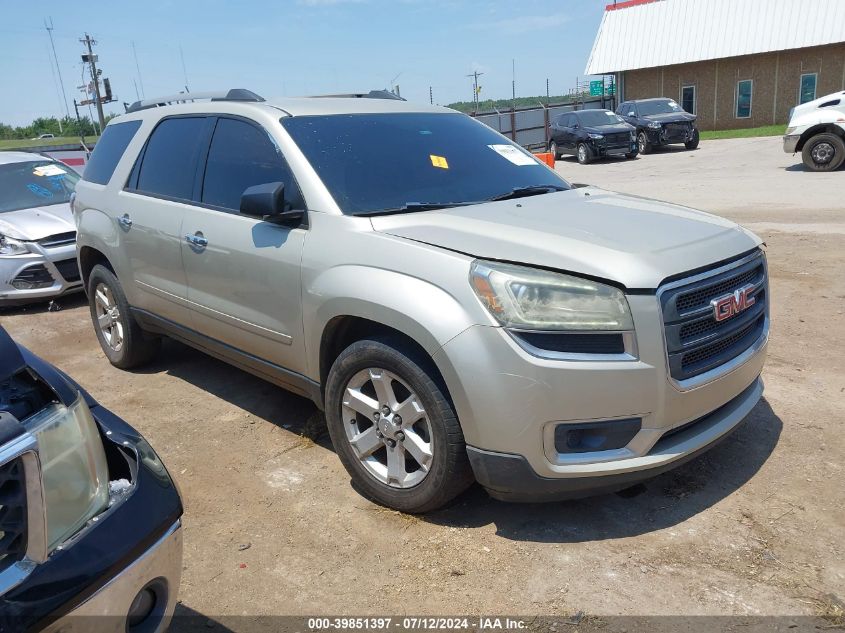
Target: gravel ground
x,y
755,527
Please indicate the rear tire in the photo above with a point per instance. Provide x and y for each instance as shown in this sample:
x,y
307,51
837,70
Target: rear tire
x,y
123,341
643,146
824,152
584,153
693,142
414,463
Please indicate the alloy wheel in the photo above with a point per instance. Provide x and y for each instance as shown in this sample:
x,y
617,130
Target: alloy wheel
x,y
387,427
108,317
582,153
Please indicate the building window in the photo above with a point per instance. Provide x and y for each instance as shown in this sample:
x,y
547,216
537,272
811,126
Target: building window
x,y
807,91
688,99
743,98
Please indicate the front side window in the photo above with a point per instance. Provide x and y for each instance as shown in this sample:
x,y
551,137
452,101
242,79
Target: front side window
x,y
36,183
808,88
743,98
169,162
109,150
241,156
393,162
688,99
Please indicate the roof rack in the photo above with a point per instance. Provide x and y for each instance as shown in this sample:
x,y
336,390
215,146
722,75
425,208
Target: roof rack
x,y
372,94
235,94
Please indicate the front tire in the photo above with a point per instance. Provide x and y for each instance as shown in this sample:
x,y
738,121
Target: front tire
x,y
123,341
824,152
693,142
393,427
643,144
631,155
585,154
553,150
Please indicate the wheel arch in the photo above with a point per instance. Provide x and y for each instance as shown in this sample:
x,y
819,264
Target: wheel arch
x,y
88,258
821,128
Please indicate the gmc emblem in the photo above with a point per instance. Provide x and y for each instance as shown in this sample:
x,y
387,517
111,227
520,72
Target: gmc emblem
x,y
734,303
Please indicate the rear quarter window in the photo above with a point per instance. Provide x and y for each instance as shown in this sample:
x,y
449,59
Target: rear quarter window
x,y
108,151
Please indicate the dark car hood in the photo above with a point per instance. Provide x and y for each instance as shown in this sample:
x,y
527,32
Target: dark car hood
x,y
635,241
615,128
670,117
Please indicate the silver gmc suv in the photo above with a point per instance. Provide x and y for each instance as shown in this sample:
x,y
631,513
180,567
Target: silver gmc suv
x,y
457,308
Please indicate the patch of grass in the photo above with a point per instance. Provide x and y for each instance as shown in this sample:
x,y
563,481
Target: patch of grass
x,y
44,142
749,132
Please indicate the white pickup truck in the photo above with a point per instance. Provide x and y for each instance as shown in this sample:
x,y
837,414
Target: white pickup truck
x,y
817,130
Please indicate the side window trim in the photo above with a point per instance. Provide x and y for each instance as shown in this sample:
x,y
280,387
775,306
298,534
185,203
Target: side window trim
x,y
131,185
203,165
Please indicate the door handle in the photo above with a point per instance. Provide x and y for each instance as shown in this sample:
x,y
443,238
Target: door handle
x,y
197,239
125,221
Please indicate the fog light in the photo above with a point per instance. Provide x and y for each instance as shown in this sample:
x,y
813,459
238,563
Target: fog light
x,y
596,436
141,608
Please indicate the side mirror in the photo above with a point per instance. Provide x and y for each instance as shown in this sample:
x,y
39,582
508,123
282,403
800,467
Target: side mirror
x,y
267,202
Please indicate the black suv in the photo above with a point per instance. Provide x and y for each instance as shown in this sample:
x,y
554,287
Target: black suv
x,y
592,134
659,122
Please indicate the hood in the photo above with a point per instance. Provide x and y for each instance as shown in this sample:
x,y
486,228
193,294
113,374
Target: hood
x,y
630,240
670,117
834,106
11,360
38,222
613,128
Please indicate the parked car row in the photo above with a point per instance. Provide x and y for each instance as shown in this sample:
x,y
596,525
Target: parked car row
x,y
459,311
637,127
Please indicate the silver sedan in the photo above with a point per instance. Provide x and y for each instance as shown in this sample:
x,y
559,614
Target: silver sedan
x,y
37,231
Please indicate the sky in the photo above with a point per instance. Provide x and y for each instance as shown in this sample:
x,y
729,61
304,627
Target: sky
x,y
292,47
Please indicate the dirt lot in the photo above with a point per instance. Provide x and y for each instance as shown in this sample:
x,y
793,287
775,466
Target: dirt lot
x,y
757,526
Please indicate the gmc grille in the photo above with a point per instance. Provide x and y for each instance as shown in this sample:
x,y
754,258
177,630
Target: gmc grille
x,y
13,513
696,342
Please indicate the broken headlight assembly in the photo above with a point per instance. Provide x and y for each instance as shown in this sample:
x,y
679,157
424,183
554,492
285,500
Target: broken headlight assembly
x,y
524,298
74,470
11,246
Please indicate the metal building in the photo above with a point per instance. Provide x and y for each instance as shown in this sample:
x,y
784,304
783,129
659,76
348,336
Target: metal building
x,y
734,63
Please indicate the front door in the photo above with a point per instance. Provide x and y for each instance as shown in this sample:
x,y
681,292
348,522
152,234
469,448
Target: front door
x,y
243,273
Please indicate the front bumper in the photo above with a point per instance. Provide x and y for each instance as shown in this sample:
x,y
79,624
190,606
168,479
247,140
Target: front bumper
x,y
53,272
159,569
602,150
790,143
661,136
511,402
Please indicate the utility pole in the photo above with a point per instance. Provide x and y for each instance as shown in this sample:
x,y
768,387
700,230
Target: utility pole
x,y
184,72
431,95
138,68
513,83
548,99
58,70
91,59
475,75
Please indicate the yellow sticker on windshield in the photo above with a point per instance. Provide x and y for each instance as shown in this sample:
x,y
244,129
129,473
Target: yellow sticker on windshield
x,y
439,161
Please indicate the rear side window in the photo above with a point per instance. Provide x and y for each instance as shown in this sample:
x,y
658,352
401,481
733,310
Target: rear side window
x,y
242,155
169,162
108,151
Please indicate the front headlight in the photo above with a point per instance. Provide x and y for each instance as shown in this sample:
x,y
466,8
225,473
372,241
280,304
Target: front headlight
x,y
74,470
11,246
596,136
532,299
654,125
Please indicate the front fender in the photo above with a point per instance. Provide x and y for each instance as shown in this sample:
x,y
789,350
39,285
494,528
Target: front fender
x,y
428,314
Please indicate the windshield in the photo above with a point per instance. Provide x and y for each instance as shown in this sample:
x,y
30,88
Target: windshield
x,y
35,184
658,107
374,163
595,118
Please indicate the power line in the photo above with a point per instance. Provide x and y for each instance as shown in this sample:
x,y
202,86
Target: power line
x,y
58,68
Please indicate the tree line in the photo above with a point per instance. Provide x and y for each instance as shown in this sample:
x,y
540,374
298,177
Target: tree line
x,y
66,126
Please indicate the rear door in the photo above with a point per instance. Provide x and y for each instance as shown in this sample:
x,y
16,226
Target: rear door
x,y
152,206
568,133
244,276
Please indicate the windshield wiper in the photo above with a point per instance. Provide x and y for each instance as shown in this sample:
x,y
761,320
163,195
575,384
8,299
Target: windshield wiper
x,y
410,207
522,192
